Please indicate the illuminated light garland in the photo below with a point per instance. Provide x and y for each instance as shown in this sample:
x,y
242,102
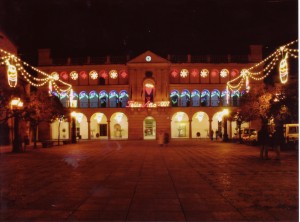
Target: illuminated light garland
x,y
271,61
8,58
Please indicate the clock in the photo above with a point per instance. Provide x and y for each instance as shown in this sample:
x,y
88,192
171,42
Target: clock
x,y
148,58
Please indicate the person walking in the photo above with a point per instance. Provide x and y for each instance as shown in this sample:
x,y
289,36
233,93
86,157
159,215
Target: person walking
x,y
263,140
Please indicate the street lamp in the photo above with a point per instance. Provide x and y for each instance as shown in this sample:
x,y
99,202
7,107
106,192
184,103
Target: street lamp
x,y
225,114
15,105
73,128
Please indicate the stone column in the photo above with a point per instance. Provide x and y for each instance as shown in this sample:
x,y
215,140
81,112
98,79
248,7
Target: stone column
x,y
89,129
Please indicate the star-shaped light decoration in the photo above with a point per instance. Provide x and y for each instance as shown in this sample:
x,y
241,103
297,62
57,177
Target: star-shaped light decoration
x,y
195,72
103,74
83,75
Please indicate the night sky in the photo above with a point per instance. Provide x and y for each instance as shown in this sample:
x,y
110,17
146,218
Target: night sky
x,y
121,27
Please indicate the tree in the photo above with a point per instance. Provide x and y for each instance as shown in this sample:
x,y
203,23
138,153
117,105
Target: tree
x,y
43,108
256,103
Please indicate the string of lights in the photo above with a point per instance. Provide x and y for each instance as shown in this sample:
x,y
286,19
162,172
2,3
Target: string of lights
x,y
263,69
15,65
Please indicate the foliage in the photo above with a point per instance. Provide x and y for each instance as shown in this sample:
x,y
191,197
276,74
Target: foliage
x,y
256,103
43,107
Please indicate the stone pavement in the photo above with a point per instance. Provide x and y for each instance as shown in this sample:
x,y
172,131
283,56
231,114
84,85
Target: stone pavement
x,y
140,181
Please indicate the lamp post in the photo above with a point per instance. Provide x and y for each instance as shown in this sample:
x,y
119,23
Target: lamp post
x,y
16,104
73,127
225,136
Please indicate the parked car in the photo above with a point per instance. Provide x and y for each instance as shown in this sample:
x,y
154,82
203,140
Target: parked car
x,y
249,136
291,133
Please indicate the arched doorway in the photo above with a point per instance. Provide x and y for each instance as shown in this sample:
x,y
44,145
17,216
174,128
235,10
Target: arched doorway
x,y
200,125
180,125
149,128
81,126
119,126
98,126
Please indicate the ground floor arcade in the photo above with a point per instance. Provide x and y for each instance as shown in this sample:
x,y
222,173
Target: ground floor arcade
x,y
145,124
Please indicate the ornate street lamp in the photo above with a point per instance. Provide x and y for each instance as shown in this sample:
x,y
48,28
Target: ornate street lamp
x,y
15,105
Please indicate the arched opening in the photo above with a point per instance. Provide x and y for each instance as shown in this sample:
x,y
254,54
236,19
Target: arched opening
x,y
98,126
113,99
200,125
103,97
149,128
195,98
174,98
180,125
185,98
119,126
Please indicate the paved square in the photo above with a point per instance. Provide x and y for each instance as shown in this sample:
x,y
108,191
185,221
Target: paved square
x,y
140,181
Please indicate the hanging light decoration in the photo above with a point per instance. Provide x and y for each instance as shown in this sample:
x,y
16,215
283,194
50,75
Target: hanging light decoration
x,y
16,65
12,74
283,69
265,67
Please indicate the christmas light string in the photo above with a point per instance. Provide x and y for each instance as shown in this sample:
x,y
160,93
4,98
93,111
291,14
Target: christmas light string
x,y
258,72
15,65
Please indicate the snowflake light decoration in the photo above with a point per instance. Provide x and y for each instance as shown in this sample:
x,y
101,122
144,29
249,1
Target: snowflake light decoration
x,y
93,74
204,73
184,73
74,75
113,74
224,73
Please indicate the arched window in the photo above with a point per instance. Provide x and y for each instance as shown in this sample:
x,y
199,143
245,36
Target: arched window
x,y
83,100
224,96
235,98
185,98
174,98
64,99
93,99
113,99
103,97
215,98
195,97
123,98
205,98
74,100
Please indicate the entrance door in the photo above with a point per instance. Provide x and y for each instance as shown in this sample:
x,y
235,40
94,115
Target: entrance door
x,y
149,128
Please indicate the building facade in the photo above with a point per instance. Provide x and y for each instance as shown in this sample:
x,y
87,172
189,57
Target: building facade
x,y
135,99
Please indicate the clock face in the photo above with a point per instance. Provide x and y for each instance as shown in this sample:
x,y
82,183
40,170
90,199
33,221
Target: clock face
x,y
148,58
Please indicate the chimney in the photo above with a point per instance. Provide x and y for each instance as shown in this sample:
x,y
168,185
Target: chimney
x,y
255,53
44,57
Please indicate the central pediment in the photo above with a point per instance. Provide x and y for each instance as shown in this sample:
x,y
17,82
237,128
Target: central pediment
x,y
148,57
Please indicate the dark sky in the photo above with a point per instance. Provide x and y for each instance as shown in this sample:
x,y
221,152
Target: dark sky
x,y
120,27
